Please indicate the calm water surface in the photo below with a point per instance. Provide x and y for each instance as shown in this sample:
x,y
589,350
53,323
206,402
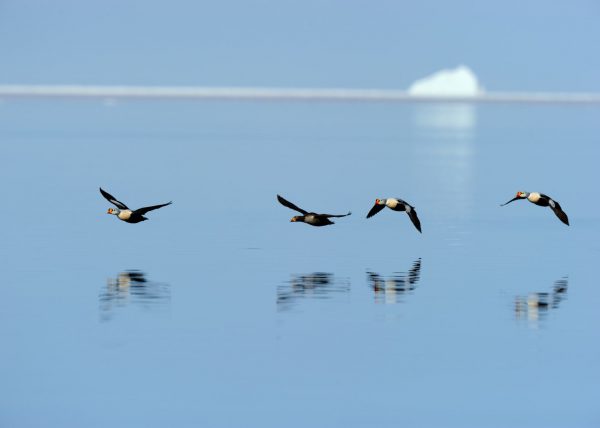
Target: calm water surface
x,y
220,312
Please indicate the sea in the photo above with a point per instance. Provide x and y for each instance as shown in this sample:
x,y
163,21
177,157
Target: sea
x,y
220,312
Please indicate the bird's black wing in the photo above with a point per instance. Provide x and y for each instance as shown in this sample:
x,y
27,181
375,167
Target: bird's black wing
x,y
413,217
335,215
110,198
290,205
558,211
513,199
144,210
376,208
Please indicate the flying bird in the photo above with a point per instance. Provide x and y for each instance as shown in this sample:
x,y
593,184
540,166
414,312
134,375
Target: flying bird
x,y
396,205
543,201
309,217
126,214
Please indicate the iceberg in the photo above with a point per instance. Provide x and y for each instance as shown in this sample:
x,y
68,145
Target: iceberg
x,y
460,81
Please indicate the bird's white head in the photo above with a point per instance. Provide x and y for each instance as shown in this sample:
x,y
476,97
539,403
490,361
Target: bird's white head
x,y
114,211
380,201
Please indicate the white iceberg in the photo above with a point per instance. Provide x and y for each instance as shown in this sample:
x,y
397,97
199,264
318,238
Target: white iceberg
x,y
460,81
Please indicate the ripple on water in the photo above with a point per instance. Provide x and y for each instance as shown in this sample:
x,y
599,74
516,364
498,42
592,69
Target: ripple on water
x,y
317,285
390,289
131,287
535,306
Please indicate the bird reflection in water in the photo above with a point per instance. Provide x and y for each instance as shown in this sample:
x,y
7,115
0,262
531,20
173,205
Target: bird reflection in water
x,y
131,287
318,285
535,306
389,290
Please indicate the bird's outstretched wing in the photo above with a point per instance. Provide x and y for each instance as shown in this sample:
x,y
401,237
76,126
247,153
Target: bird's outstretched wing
x,y
558,211
516,198
413,217
110,198
335,215
288,204
376,208
144,210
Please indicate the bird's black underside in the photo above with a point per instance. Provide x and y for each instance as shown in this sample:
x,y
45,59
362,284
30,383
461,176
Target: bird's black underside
x,y
136,219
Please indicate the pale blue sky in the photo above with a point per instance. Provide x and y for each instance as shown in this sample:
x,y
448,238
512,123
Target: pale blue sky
x,y
511,45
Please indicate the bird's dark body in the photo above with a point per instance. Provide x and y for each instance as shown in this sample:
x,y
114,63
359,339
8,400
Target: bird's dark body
x,y
136,218
544,201
399,207
316,220
311,218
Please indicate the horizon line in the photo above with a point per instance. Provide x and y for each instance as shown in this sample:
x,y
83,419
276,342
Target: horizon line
x,y
112,92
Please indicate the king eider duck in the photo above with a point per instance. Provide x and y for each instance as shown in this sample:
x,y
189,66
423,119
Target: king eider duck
x,y
124,213
309,218
543,201
396,205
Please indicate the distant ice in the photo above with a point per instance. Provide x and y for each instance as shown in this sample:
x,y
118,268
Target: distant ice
x,y
460,81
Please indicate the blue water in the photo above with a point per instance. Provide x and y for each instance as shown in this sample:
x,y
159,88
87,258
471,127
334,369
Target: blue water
x,y
220,312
